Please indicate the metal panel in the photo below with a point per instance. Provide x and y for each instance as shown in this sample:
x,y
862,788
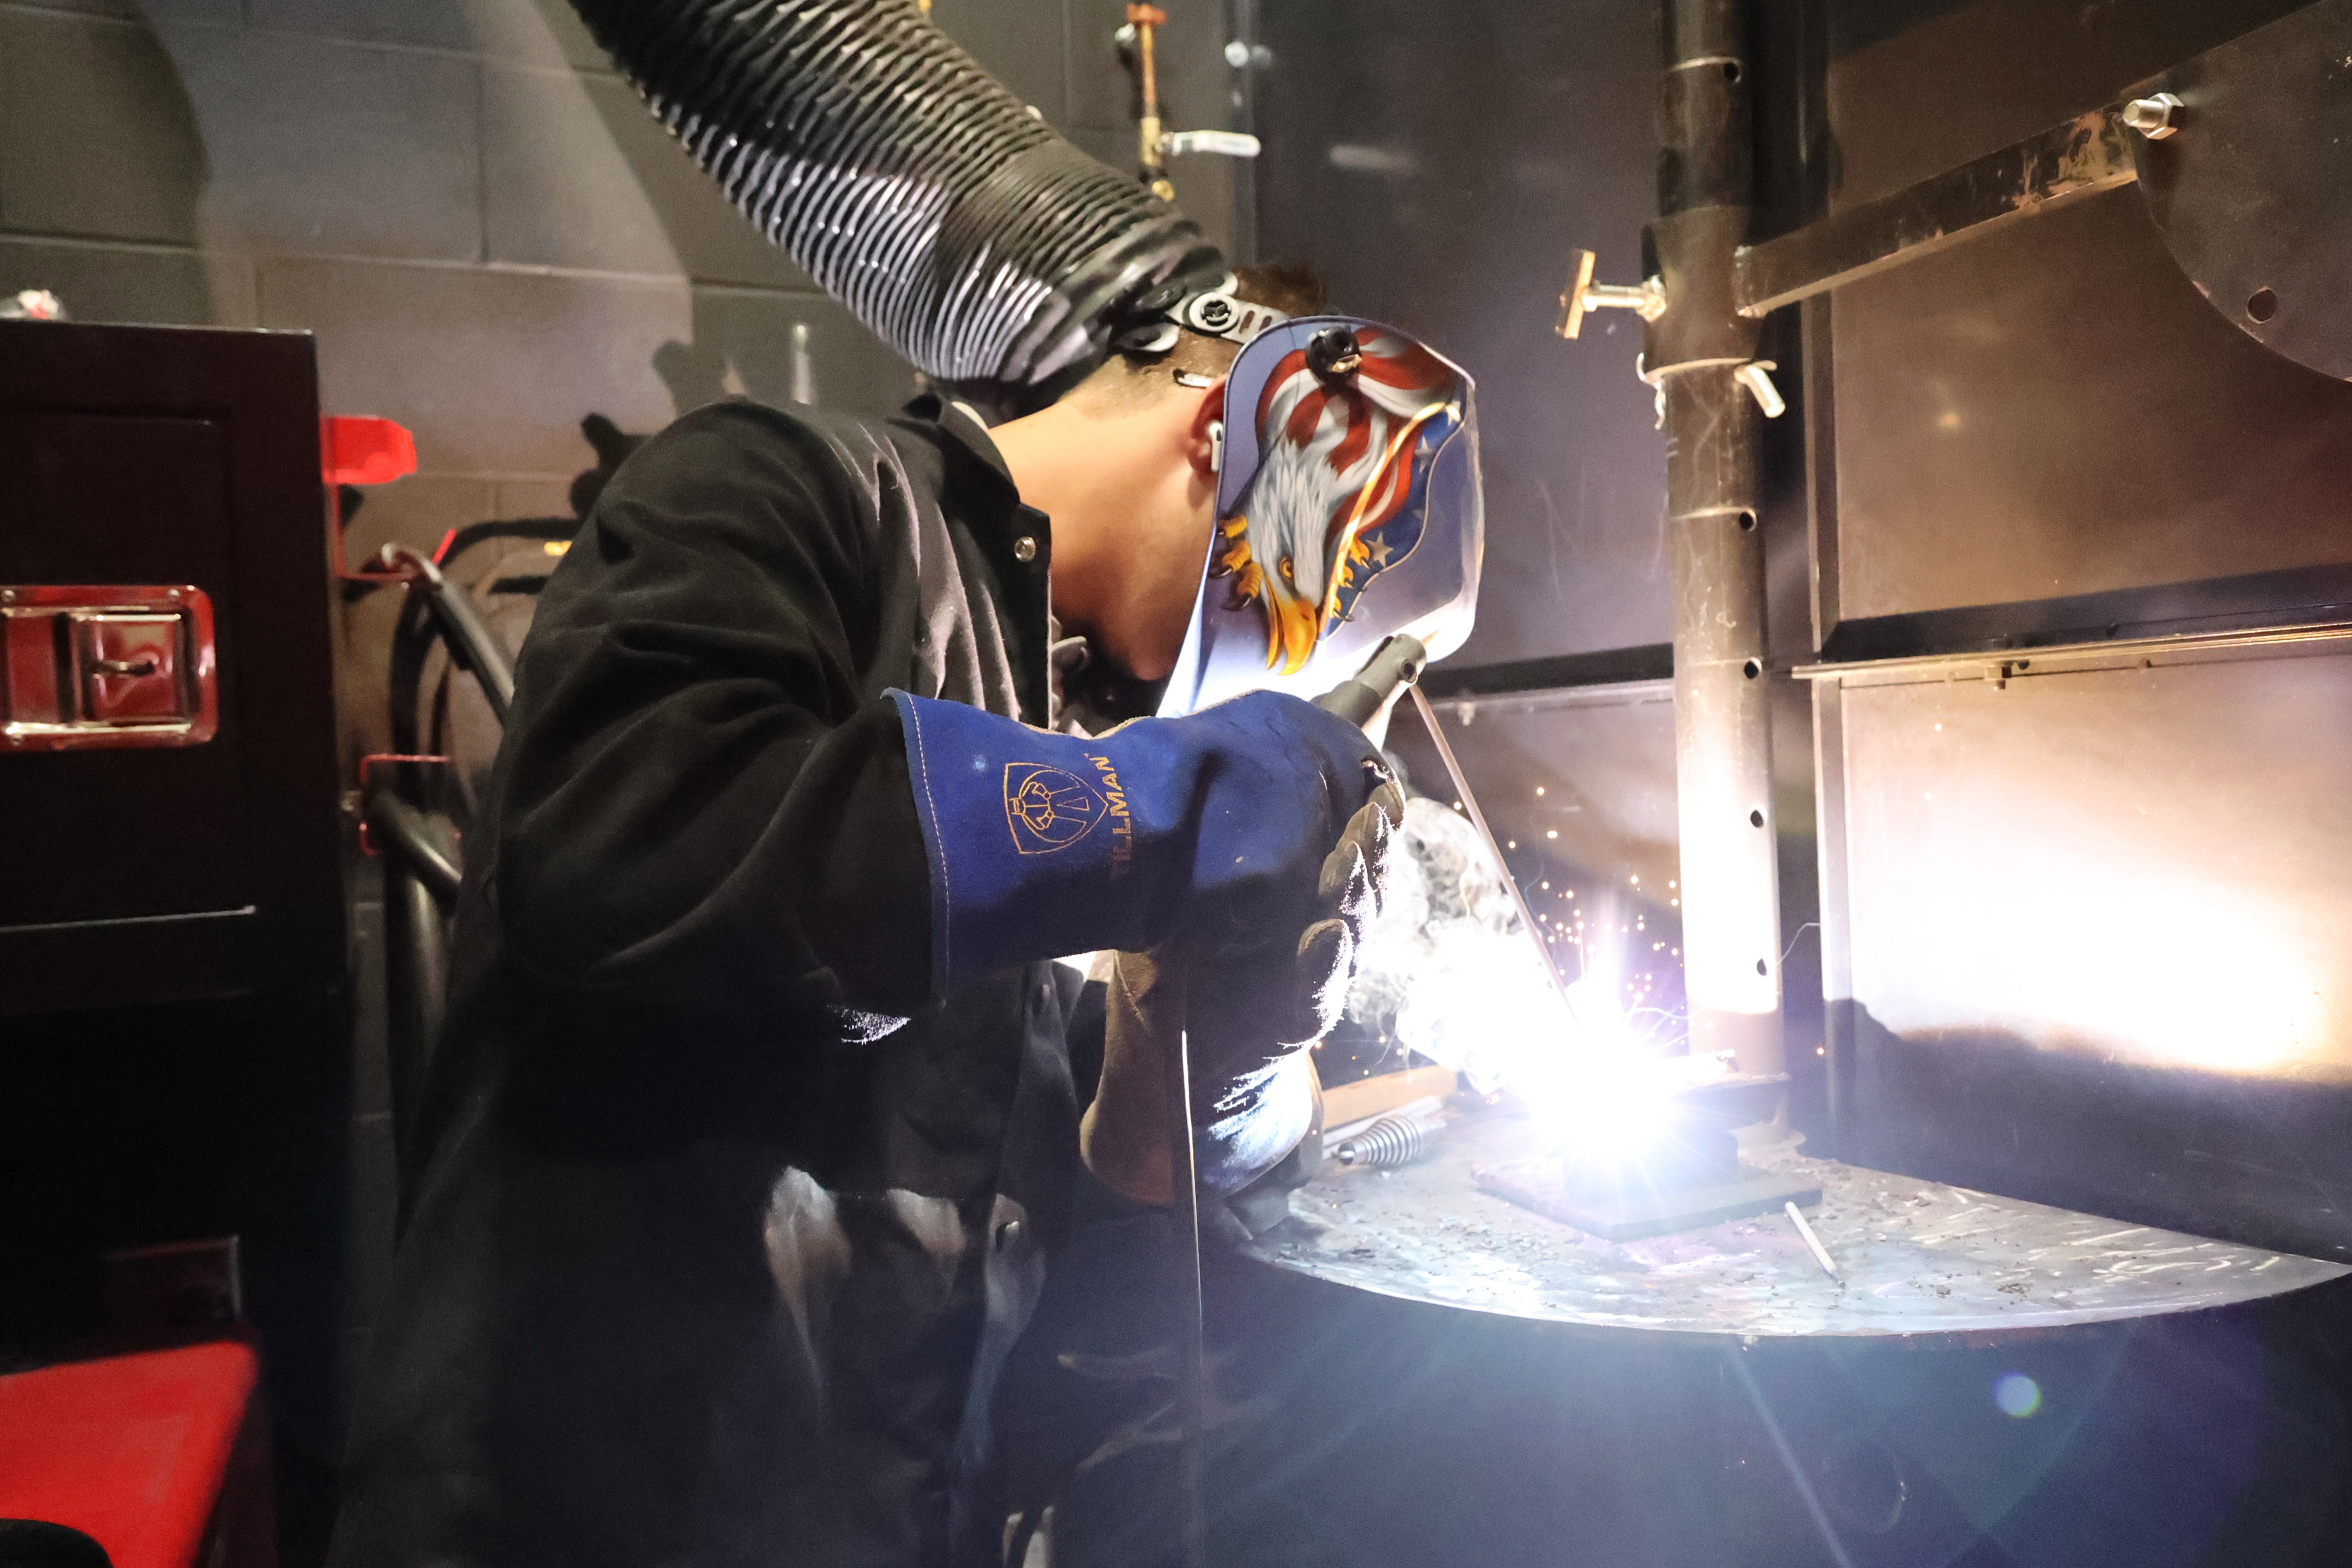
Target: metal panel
x,y
2054,412
1581,775
1918,87
2098,937
1440,163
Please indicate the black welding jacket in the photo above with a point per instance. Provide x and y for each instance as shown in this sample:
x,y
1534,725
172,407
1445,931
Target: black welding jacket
x,y
705,1250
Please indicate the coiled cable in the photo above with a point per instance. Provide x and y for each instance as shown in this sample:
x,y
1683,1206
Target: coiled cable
x,y
1389,1142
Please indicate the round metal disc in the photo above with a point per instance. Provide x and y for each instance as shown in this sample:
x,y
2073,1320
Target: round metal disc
x,y
2252,189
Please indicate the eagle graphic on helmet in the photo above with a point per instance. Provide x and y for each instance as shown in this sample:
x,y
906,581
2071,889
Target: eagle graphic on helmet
x,y
1343,460
1348,508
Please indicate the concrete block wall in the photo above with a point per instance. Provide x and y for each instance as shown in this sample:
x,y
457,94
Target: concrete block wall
x,y
490,238
486,230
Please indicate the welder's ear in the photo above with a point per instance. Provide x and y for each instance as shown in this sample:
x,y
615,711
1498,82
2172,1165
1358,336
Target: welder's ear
x,y
1206,439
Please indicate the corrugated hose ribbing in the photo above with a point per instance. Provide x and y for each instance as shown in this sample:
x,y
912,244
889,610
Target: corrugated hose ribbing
x,y
908,183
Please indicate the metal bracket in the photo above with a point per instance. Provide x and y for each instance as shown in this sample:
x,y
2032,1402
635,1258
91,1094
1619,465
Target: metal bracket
x,y
2063,164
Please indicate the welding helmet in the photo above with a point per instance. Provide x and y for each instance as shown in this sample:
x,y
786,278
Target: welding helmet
x,y
1347,510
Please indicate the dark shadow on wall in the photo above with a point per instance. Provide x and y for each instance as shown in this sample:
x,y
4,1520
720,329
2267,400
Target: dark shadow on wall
x,y
783,350
2266,1162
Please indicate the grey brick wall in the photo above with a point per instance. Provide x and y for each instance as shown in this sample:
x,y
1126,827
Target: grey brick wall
x,y
490,238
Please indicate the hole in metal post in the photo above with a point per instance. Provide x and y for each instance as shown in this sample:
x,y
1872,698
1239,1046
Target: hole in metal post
x,y
2261,305
1761,969
1754,819
1731,70
1751,669
1746,522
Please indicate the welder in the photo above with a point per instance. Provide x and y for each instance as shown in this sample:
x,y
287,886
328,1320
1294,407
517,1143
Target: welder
x,y
753,1128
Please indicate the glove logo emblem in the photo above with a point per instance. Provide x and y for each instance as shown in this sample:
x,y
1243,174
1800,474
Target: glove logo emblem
x,y
1048,808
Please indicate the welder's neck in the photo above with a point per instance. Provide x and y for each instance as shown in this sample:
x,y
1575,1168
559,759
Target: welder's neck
x,y
1131,521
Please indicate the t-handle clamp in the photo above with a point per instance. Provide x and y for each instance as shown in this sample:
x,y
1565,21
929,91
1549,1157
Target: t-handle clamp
x,y
1646,299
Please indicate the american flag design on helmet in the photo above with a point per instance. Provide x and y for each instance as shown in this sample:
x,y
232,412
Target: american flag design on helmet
x,y
1336,499
1348,508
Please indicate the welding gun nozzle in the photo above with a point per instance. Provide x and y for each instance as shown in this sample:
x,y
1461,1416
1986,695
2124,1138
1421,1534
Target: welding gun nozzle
x,y
1396,664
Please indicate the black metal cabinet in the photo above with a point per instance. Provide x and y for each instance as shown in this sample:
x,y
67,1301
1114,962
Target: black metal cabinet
x,y
151,474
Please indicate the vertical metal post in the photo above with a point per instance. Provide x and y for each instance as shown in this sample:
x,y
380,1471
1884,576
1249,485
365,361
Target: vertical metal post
x,y
1241,60
1692,353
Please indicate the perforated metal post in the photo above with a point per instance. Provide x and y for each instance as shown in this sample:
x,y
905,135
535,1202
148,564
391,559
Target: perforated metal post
x,y
1694,351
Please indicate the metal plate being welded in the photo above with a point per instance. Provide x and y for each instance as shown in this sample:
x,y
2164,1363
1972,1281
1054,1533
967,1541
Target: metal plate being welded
x,y
1916,1257
2253,189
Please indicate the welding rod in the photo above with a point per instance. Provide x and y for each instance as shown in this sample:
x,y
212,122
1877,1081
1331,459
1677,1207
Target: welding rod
x,y
1494,850
1821,1253
1192,1311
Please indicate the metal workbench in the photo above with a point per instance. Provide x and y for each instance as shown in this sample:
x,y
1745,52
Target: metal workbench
x,y
1916,1257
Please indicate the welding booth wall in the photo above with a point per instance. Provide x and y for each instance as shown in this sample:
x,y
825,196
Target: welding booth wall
x,y
2040,437
1441,164
2084,928
2098,968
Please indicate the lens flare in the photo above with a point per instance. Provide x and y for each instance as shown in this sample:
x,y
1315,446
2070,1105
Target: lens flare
x,y
2017,1394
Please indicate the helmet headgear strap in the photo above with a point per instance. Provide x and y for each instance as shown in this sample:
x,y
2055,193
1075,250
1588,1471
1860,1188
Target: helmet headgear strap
x,y
1214,313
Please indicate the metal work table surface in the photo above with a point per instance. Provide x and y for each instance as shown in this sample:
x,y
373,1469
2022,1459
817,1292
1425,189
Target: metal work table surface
x,y
1916,1257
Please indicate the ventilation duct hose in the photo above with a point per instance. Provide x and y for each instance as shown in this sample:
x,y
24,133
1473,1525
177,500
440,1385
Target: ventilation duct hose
x,y
907,182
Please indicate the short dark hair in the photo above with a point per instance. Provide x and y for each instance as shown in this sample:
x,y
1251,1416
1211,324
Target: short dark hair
x,y
1126,382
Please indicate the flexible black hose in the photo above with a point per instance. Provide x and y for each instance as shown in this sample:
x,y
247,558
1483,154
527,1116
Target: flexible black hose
x,y
471,642
409,835
907,182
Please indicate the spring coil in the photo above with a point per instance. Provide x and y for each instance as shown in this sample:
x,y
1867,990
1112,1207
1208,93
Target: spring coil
x,y
1390,1142
908,183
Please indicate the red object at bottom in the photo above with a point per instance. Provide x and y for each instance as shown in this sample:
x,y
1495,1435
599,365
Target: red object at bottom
x,y
135,1451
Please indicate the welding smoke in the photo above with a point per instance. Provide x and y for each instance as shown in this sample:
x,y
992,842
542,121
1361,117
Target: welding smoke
x,y
1446,970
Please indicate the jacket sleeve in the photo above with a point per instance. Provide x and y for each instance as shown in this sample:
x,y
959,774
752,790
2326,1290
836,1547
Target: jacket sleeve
x,y
695,805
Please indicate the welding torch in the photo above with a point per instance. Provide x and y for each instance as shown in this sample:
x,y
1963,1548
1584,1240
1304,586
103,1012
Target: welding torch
x,y
1363,699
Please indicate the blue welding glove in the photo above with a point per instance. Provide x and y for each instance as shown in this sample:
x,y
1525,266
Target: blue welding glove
x,y
1213,826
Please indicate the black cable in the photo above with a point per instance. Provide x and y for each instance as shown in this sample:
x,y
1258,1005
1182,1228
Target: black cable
x,y
471,642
